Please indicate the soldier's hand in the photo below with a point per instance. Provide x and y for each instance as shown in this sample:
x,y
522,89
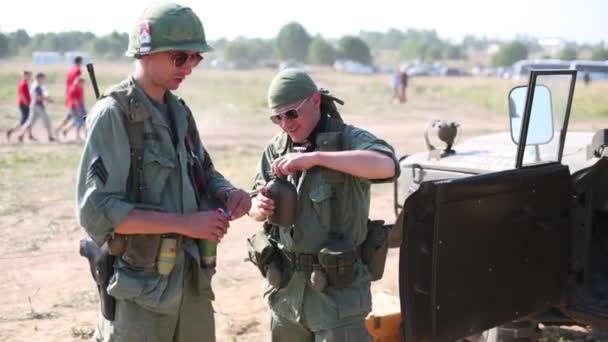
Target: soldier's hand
x,y
209,225
238,203
292,162
262,205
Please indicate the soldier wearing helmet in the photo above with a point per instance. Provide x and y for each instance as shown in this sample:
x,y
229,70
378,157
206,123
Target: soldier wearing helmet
x,y
139,197
323,291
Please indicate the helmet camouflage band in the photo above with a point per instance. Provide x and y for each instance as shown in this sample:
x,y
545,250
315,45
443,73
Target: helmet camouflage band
x,y
166,27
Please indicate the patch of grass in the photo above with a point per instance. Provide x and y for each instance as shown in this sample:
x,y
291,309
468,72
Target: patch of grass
x,y
489,94
237,165
31,175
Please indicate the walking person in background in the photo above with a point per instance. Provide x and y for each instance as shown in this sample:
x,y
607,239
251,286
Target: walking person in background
x,y
76,110
399,84
73,73
403,78
40,97
23,100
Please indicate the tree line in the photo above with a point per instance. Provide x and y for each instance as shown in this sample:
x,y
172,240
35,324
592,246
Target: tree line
x,y
20,43
293,42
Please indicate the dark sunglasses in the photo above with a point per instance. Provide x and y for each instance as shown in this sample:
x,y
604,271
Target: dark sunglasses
x,y
290,114
180,58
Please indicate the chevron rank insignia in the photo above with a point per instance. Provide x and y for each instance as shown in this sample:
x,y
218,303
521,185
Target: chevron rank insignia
x,y
97,171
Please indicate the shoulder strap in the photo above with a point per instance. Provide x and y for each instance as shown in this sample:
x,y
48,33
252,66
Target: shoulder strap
x,y
193,147
332,140
135,114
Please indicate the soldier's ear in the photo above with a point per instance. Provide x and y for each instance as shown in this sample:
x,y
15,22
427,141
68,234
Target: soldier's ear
x,y
316,98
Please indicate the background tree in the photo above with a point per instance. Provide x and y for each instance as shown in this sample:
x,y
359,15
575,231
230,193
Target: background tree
x,y
246,51
424,45
111,46
599,54
568,53
292,42
453,52
353,48
321,52
5,46
510,53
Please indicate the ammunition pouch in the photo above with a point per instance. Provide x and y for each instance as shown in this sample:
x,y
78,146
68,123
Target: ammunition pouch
x,y
261,251
117,245
141,252
375,248
338,260
101,264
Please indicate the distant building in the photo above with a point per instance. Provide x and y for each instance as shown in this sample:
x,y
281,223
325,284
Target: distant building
x,y
70,55
52,57
45,57
551,46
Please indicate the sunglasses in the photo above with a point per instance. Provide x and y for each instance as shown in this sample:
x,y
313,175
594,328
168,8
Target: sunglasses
x,y
180,58
290,114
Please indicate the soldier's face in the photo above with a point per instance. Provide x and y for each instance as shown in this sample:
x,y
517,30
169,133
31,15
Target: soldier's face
x,y
300,126
164,69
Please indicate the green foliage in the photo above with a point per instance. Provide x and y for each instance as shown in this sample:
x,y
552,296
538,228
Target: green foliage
x,y
20,37
247,51
424,45
568,54
321,52
61,42
510,53
292,42
111,46
599,54
5,46
471,42
391,40
453,52
355,49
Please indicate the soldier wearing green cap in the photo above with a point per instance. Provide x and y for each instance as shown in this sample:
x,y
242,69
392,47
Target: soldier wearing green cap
x,y
140,198
324,291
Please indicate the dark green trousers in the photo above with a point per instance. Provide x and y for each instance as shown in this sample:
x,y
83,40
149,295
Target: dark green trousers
x,y
284,330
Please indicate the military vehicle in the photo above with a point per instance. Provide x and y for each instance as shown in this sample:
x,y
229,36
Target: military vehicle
x,y
506,227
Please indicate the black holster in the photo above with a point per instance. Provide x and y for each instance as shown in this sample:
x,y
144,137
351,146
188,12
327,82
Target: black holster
x,y
101,264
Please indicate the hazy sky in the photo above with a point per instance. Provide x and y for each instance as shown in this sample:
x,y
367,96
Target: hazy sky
x,y
581,20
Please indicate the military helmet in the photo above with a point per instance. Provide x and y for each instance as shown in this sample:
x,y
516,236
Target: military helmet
x,y
166,27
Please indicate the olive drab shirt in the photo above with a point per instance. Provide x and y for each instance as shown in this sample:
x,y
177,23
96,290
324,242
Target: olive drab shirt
x,y
298,301
102,197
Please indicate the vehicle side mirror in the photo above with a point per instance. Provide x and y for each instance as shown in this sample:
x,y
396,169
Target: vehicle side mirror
x,y
540,128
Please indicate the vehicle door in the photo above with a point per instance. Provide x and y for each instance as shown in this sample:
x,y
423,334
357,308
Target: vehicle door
x,y
484,250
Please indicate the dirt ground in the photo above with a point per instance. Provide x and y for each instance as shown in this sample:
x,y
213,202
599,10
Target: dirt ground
x,y
47,292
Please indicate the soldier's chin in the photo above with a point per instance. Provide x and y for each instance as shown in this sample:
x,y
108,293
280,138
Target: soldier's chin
x,y
174,84
295,137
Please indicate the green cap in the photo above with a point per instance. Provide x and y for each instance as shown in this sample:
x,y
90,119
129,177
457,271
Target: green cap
x,y
290,86
164,27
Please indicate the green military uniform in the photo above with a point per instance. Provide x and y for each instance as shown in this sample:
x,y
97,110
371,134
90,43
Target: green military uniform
x,y
299,312
149,307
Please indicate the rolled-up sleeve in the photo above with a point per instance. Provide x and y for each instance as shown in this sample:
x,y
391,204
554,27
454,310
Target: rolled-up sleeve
x,y
101,197
363,140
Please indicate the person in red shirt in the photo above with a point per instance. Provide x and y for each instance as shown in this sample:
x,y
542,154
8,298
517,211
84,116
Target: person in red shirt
x,y
73,73
24,100
76,109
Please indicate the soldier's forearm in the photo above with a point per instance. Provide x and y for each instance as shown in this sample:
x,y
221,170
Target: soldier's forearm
x,y
152,222
364,164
